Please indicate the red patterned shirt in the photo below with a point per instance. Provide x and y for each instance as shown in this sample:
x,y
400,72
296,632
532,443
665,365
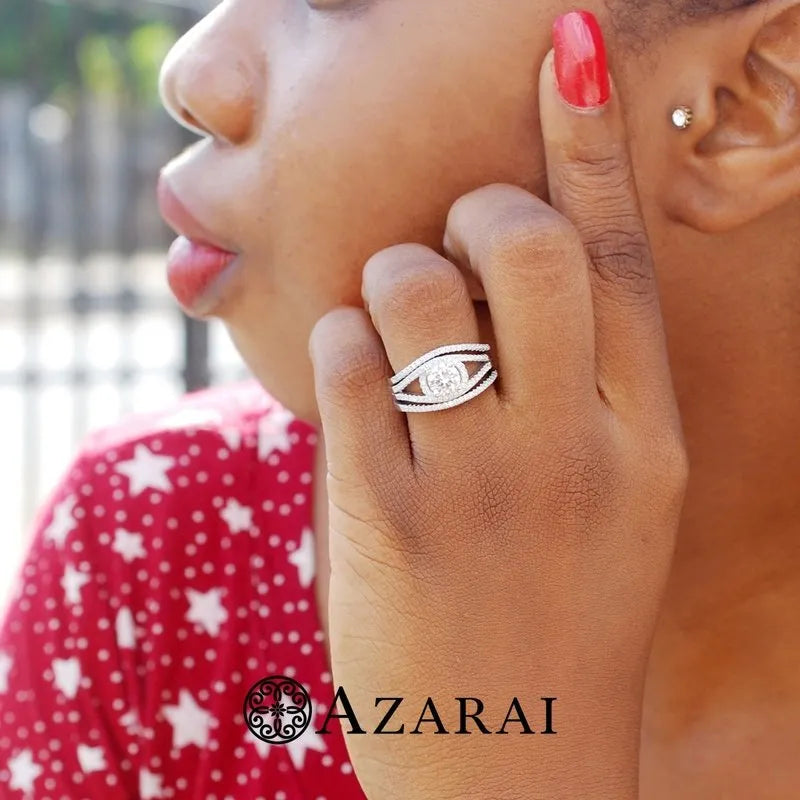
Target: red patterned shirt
x,y
171,569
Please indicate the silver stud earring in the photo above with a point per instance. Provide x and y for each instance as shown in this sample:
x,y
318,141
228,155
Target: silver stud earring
x,y
682,117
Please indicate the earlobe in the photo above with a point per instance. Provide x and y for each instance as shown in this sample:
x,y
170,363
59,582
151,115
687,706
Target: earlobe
x,y
740,158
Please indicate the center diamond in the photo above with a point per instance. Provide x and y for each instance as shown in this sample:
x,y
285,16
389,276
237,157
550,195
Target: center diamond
x,y
444,378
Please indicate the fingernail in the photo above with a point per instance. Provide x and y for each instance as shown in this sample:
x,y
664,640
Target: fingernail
x,y
580,60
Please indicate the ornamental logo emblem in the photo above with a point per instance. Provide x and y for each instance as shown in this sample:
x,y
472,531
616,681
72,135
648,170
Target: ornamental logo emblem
x,y
277,709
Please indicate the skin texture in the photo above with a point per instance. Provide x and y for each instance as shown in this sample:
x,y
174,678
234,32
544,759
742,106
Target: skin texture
x,y
534,552
339,130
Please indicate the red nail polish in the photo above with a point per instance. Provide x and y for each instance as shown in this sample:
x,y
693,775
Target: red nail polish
x,y
580,60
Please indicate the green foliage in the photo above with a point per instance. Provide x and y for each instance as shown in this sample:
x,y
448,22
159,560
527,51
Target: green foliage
x,y
147,47
114,64
61,49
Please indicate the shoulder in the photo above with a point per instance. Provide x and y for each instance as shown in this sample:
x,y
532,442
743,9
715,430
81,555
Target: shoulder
x,y
235,440
221,415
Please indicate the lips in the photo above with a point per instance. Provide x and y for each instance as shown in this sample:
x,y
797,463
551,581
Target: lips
x,y
197,266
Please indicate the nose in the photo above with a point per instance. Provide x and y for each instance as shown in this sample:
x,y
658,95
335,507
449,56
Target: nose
x,y
211,83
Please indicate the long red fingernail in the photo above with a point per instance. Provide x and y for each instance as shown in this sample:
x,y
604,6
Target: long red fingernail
x,y
580,60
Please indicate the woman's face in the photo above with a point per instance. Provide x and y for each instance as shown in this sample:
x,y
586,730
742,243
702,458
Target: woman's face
x,y
339,127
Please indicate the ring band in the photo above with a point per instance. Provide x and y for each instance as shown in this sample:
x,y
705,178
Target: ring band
x,y
443,378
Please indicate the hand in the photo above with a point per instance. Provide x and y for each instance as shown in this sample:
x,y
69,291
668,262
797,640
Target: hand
x,y
515,545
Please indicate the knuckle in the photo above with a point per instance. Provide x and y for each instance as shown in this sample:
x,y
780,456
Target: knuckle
x,y
620,255
672,462
418,290
532,245
483,200
346,372
384,267
331,328
595,162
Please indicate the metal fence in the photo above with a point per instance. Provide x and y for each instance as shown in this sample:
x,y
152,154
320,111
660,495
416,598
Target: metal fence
x,y
88,329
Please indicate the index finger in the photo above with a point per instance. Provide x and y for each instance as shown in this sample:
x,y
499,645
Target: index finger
x,y
590,180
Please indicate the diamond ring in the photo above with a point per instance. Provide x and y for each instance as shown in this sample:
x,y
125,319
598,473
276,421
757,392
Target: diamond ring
x,y
443,378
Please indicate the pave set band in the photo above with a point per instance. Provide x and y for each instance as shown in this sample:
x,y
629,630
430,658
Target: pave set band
x,y
443,377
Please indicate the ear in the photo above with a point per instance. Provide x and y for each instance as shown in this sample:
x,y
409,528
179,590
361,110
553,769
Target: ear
x,y
740,157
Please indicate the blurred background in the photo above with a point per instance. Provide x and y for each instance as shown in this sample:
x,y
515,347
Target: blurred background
x,y
88,329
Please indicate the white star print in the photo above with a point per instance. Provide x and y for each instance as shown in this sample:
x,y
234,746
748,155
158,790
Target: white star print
x,y
262,747
206,609
308,740
125,628
190,722
128,545
63,522
67,675
23,771
146,470
273,433
130,720
72,582
303,558
149,785
5,668
232,437
91,759
238,517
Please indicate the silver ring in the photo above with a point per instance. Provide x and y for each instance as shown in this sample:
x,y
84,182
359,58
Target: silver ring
x,y
443,378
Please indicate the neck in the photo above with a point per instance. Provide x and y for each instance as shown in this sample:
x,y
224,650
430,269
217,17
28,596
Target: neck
x,y
726,636
730,304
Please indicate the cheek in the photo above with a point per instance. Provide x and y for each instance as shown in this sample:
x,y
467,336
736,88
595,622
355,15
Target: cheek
x,y
370,156
370,142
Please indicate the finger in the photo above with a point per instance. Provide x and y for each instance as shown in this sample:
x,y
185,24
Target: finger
x,y
533,270
591,182
419,301
365,436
